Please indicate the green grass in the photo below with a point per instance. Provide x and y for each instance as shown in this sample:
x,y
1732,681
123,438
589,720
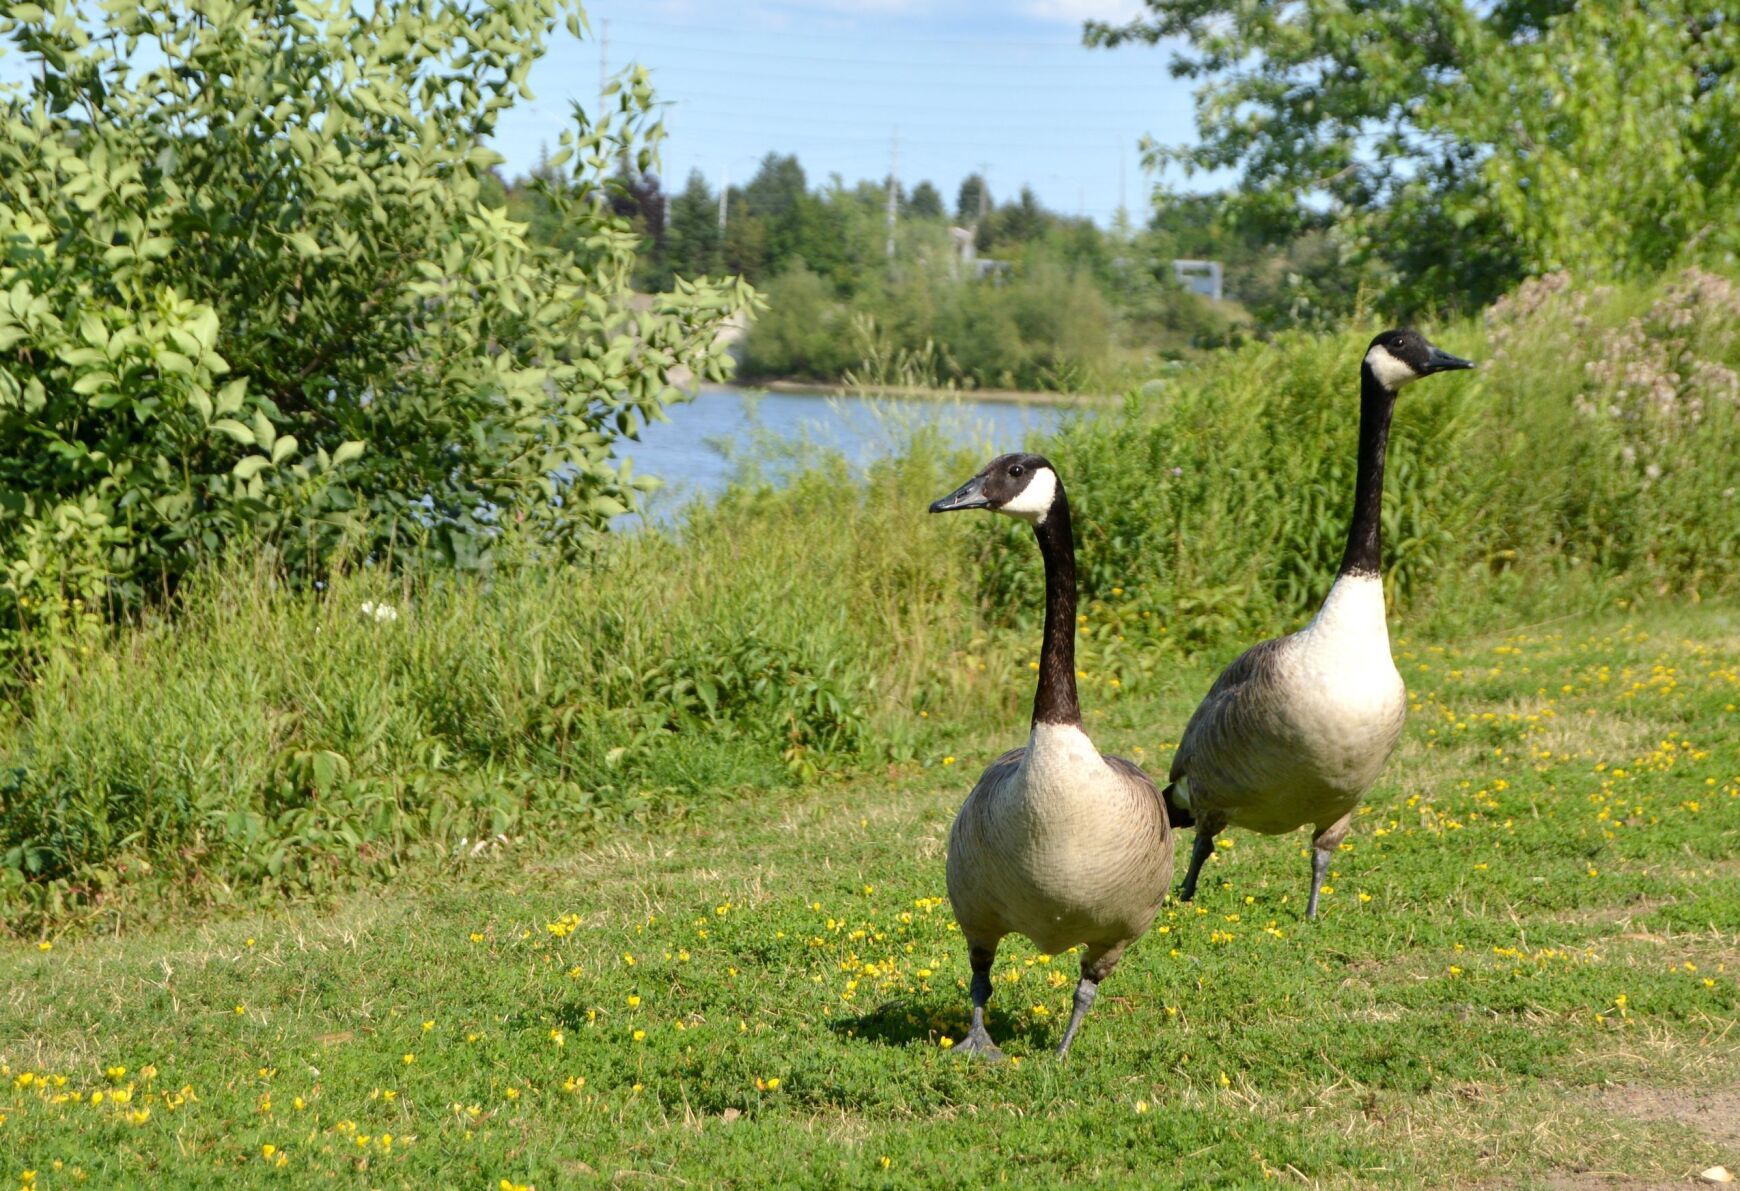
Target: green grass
x,y
1526,971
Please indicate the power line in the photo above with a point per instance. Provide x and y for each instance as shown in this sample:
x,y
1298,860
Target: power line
x,y
740,29
1141,70
836,131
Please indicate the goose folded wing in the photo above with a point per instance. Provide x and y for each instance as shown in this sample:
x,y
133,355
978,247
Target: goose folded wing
x,y
1229,715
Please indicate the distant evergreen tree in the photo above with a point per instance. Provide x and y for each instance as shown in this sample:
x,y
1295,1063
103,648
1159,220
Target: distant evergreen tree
x,y
924,202
974,197
777,189
693,245
1023,220
793,220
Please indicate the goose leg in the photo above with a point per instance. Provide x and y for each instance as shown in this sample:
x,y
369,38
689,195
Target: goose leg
x,y
1200,849
978,1040
1323,846
1094,969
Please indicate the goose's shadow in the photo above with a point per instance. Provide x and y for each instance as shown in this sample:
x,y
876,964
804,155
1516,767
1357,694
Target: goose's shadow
x,y
912,1023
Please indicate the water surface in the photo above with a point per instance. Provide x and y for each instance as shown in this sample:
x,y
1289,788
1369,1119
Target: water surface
x,y
712,439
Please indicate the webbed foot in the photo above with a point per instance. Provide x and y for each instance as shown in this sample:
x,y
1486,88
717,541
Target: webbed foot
x,y
978,1044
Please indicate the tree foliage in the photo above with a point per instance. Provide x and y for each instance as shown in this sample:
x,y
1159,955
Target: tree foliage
x,y
925,202
1613,138
252,283
1460,146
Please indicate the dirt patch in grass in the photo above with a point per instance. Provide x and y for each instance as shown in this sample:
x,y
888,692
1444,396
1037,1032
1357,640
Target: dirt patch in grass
x,y
1616,915
1715,1113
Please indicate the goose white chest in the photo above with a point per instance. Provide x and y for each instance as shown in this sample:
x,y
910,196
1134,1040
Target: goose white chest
x,y
1344,698
1058,815
1061,848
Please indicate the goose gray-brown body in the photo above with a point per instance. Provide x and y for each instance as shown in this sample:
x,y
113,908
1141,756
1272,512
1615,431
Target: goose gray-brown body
x,y
1055,842
1296,730
1060,844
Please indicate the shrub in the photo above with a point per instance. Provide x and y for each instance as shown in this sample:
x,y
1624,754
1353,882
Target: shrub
x,y
803,331
249,288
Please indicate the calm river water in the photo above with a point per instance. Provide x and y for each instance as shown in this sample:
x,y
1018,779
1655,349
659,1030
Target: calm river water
x,y
727,430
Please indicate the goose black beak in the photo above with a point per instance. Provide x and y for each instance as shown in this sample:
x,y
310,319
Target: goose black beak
x,y
1443,361
970,495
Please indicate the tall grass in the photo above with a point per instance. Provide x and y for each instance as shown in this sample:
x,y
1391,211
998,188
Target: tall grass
x,y
1590,458
269,742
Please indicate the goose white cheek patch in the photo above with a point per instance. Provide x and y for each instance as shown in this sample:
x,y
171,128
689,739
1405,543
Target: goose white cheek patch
x,y
1033,502
1391,373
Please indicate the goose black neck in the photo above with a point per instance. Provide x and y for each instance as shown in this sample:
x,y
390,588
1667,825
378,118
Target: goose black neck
x,y
1364,553
1054,701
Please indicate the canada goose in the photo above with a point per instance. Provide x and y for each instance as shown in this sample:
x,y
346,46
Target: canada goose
x,y
1055,842
1297,729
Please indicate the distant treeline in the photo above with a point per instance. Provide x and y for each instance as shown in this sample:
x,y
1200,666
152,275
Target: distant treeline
x,y
977,292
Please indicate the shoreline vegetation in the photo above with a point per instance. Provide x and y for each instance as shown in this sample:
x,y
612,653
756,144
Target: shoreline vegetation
x,y
930,393
260,741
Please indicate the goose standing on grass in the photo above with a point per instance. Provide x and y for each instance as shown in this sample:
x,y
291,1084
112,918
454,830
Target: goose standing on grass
x,y
1297,729
1055,842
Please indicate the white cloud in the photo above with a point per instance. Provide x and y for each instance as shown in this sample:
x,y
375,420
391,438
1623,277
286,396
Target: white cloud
x,y
1076,11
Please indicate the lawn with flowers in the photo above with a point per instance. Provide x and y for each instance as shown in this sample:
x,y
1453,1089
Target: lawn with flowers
x,y
1525,969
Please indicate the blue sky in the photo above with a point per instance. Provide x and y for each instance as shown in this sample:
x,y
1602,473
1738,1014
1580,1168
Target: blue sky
x,y
965,82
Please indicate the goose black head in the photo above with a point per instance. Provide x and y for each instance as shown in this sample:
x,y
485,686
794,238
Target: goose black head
x,y
1399,357
1020,486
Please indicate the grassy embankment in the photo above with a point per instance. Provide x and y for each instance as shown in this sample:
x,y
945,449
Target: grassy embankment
x,y
608,742
270,744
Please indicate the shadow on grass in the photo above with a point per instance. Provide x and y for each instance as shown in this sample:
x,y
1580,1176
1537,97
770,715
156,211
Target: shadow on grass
x,y
908,1023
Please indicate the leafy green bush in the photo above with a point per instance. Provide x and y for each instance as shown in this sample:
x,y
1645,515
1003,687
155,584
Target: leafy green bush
x,y
804,331
248,288
1048,327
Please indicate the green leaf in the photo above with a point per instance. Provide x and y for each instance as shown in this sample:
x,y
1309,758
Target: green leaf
x,y
175,362
229,398
235,430
335,208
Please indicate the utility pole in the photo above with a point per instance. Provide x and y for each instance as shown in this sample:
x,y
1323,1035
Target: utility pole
x,y
984,190
724,197
893,187
1123,207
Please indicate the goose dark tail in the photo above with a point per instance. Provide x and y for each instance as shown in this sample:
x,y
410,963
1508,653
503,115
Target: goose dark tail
x,y
1177,815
